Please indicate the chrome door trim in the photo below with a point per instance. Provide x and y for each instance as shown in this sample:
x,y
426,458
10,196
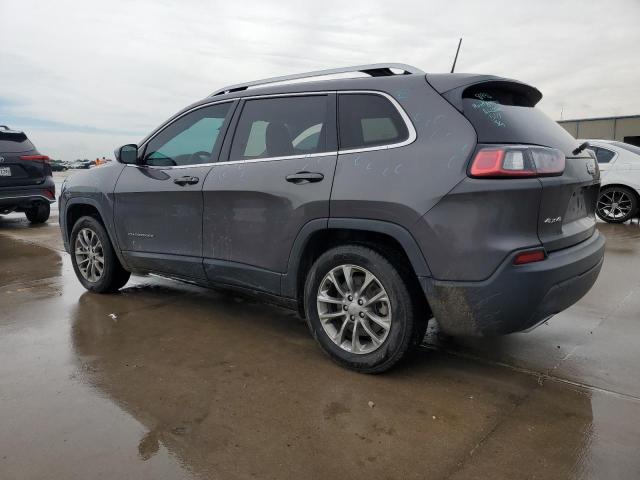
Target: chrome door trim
x,y
405,117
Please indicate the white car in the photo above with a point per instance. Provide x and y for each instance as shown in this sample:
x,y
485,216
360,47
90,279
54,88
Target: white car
x,y
620,179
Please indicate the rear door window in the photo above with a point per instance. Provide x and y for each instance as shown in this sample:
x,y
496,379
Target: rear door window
x,y
369,120
281,127
603,155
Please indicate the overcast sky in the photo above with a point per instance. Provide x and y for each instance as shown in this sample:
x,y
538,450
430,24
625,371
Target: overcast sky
x,y
83,77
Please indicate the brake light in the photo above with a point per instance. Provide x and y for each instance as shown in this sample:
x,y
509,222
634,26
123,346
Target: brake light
x,y
42,158
529,256
517,162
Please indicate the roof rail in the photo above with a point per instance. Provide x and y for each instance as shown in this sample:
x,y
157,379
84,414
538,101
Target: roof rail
x,y
374,70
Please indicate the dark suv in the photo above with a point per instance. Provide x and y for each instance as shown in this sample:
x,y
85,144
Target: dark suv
x,y
370,204
26,184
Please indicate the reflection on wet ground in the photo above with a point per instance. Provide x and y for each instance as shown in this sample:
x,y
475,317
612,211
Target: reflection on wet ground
x,y
166,380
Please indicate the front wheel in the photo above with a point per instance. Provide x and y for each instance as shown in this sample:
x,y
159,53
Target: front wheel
x,y
360,310
94,260
616,204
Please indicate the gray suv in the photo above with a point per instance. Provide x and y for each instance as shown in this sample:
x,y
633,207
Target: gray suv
x,y
369,204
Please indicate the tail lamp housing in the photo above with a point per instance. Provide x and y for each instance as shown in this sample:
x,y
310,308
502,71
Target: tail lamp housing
x,y
37,158
519,161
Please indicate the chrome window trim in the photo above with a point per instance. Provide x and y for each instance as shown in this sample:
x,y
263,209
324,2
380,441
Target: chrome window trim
x,y
403,114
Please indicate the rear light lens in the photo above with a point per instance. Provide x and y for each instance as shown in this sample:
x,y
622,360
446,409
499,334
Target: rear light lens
x,y
50,193
517,162
529,256
41,158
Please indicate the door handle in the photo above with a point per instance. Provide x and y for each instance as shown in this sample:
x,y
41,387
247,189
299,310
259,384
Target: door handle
x,y
187,180
301,178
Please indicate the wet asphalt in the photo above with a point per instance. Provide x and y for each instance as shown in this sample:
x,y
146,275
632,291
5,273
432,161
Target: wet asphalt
x,y
165,380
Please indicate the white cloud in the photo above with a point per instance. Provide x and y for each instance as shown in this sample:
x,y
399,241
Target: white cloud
x,y
126,66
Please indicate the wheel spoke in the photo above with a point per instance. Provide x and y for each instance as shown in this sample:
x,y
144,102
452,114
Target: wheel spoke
x,y
367,280
355,344
374,338
327,299
332,279
346,271
332,315
339,337
383,322
381,296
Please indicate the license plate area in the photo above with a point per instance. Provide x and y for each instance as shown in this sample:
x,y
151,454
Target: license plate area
x,y
581,203
5,172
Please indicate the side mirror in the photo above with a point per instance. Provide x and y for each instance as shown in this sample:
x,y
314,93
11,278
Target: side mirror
x,y
127,154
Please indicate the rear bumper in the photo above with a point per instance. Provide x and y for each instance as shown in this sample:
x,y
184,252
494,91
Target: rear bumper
x,y
517,298
25,197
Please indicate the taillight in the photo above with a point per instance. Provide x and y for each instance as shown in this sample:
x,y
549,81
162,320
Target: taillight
x,y
517,162
530,256
42,158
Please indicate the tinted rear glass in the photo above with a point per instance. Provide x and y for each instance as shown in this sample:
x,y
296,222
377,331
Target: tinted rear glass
x,y
14,142
603,155
281,127
503,115
369,120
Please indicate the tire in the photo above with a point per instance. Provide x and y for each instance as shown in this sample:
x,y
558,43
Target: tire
x,y
38,213
113,276
401,312
617,204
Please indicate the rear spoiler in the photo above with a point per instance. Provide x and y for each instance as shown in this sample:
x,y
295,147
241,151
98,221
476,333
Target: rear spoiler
x,y
452,85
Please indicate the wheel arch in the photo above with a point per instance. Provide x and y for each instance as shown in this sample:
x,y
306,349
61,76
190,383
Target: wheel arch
x,y
319,235
78,207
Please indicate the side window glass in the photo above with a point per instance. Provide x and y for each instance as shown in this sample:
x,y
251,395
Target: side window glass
x,y
369,120
280,127
190,140
603,155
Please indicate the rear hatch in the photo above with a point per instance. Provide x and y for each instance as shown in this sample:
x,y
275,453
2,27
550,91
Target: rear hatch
x,y
20,163
503,112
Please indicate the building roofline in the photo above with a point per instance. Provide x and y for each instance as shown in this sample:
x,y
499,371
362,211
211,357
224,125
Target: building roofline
x,y
598,118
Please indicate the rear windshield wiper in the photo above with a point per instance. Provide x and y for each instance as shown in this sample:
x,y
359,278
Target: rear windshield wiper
x,y
581,148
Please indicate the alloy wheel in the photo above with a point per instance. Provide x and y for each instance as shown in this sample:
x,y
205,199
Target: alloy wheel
x,y
614,204
354,309
89,255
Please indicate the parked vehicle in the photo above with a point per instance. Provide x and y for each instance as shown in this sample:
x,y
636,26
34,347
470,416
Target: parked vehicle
x,y
26,184
369,204
58,165
81,164
619,164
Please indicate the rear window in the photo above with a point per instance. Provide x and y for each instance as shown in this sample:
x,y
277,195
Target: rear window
x,y
12,141
504,114
369,120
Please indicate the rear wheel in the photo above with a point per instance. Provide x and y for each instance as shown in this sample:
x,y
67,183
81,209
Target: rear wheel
x,y
38,213
360,310
94,260
617,204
